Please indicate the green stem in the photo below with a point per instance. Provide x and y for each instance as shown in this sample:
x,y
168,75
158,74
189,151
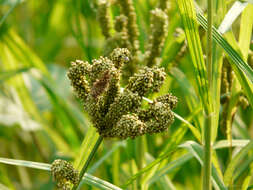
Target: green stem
x,y
85,167
207,131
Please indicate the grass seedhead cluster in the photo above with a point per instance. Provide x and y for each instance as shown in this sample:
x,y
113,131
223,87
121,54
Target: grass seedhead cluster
x,y
119,114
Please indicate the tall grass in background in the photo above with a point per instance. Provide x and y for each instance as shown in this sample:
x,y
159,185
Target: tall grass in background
x,y
208,60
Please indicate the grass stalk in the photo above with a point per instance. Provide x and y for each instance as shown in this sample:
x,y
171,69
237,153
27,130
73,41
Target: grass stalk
x,y
207,131
85,167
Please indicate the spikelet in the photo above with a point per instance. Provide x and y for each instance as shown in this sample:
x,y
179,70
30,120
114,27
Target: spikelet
x,y
163,4
124,103
132,29
159,25
146,80
128,126
64,174
78,80
104,18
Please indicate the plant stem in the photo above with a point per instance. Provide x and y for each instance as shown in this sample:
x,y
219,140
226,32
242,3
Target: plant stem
x,y
207,154
207,131
85,167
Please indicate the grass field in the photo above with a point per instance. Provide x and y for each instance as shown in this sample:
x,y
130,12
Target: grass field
x,y
118,132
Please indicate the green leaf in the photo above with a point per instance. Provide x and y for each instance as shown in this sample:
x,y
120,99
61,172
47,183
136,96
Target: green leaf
x,y
193,129
29,164
88,143
170,167
228,176
88,179
246,31
16,54
11,73
231,16
226,143
115,147
198,153
239,66
190,97
188,15
64,118
13,6
99,183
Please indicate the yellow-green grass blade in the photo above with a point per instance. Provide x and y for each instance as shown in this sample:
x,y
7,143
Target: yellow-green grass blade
x,y
226,143
88,179
188,15
243,168
4,75
13,6
198,153
86,148
220,8
190,97
25,178
98,183
231,16
246,183
13,59
242,70
229,172
28,58
67,126
110,152
170,167
246,31
5,179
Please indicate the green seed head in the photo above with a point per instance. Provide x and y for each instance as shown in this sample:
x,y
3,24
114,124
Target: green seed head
x,y
104,18
146,80
124,103
64,174
128,126
168,99
120,23
114,113
76,74
120,56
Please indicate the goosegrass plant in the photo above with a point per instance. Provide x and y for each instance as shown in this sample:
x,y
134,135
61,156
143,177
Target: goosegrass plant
x,y
141,94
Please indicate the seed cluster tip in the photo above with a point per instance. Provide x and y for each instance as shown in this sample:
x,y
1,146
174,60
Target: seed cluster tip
x,y
64,174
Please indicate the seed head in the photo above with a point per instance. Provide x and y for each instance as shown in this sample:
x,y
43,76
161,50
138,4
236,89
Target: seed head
x,y
128,126
64,174
119,114
120,23
104,18
124,103
76,74
160,117
146,80
159,25
120,56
